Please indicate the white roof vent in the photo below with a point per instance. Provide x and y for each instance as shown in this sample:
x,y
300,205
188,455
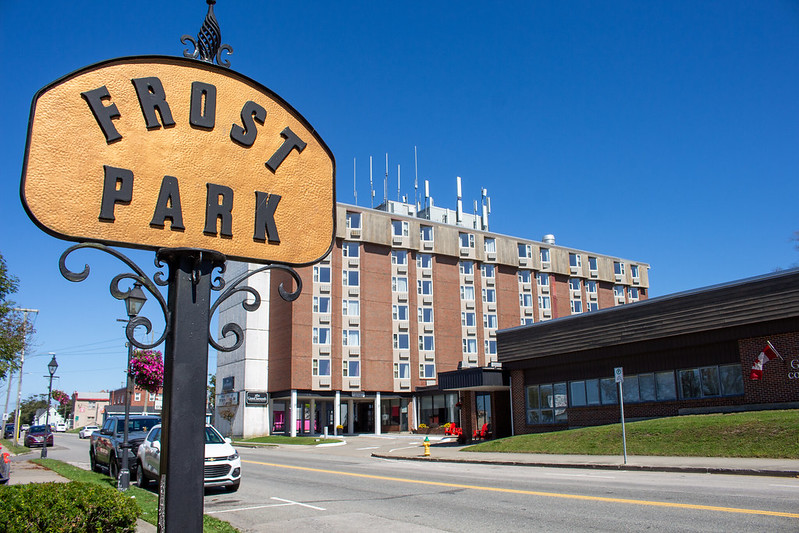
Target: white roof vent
x,y
548,238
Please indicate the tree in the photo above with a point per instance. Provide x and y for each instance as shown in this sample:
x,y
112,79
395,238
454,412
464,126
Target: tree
x,y
211,392
12,326
28,408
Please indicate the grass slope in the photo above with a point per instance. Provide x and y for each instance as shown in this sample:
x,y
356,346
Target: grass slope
x,y
764,434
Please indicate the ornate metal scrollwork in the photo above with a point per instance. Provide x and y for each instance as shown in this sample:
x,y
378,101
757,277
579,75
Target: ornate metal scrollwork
x,y
139,276
208,46
233,288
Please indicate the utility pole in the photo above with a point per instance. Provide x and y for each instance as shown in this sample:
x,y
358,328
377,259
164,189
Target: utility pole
x,y
21,363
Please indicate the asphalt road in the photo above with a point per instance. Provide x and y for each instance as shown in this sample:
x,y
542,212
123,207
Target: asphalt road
x,y
345,489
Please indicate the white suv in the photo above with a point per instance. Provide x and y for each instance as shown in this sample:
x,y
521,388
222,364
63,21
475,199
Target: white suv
x,y
86,431
222,463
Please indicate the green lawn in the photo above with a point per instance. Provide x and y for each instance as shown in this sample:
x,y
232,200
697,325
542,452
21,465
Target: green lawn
x,y
281,439
9,446
765,434
146,500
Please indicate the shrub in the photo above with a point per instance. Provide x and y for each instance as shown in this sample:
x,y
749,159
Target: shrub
x,y
65,507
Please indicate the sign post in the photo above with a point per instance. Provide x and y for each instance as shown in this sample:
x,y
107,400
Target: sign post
x,y
618,373
199,164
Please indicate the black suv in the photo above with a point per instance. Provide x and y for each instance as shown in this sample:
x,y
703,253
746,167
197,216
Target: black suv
x,y
8,433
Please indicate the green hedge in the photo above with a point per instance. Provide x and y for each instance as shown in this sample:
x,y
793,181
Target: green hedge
x,y
65,507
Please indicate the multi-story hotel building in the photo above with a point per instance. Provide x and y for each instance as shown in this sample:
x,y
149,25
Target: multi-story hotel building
x,y
403,297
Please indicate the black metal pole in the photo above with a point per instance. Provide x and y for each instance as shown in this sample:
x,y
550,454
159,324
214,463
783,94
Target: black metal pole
x,y
180,500
47,418
124,472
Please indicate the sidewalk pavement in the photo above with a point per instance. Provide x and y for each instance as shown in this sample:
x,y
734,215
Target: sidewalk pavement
x,y
450,452
23,472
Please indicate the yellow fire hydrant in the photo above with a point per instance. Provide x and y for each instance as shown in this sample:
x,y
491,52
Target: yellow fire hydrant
x,y
427,446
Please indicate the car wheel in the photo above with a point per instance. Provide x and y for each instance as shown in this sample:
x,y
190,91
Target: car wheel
x,y
234,487
113,468
141,480
93,463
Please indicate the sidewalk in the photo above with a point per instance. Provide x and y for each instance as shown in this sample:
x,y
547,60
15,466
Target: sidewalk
x,y
24,472
450,452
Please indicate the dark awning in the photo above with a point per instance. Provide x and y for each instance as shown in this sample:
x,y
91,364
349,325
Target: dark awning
x,y
477,379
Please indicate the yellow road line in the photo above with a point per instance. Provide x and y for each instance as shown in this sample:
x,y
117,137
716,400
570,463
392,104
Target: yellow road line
x,y
537,493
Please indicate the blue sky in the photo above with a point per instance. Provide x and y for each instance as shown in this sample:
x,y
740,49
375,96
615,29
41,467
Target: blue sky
x,y
661,132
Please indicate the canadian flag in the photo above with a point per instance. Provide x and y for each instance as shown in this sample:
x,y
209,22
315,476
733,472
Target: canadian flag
x,y
768,353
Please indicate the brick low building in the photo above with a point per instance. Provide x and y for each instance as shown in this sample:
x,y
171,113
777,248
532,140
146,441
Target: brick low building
x,y
685,353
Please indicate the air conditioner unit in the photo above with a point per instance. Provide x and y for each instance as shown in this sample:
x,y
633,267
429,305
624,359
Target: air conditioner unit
x,y
397,239
491,256
544,289
324,288
428,245
402,269
324,382
547,312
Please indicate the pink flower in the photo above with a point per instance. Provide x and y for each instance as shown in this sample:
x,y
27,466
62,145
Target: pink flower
x,y
147,370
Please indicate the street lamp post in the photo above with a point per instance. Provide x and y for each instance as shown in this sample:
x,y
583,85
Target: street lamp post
x,y
52,366
133,304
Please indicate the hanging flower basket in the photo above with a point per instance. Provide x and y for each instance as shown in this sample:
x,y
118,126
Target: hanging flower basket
x,y
61,397
147,370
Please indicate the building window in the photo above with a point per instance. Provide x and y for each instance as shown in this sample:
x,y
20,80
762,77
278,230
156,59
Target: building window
x,y
592,306
402,370
401,341
350,308
321,304
618,268
490,295
426,315
490,245
524,276
137,397
321,367
427,371
576,306
321,274
527,321
575,260
488,271
321,336
399,312
399,257
467,240
618,292
491,347
352,369
469,345
426,233
399,284
424,261
425,287
490,320
351,278
351,337
526,299
544,256
710,381
544,303
593,268
350,249
466,267
634,272
632,293
543,279
525,251
574,284
399,228
427,343
590,287
468,319
353,220
467,292
546,403
151,397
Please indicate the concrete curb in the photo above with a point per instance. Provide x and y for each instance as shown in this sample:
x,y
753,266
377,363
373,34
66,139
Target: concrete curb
x,y
627,467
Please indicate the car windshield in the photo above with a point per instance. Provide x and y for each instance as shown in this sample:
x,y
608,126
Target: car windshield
x,y
37,429
137,425
212,436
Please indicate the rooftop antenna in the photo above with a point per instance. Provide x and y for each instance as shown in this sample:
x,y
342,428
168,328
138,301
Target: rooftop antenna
x,y
398,182
486,209
415,180
385,182
427,201
474,221
354,186
459,213
371,184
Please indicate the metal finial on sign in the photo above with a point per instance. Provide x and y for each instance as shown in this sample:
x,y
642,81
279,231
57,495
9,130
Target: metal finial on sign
x,y
208,45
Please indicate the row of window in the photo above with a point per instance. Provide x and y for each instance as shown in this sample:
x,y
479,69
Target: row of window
x,y
547,403
352,369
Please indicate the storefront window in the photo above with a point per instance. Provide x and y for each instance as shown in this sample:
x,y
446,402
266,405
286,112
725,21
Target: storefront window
x,y
438,409
546,403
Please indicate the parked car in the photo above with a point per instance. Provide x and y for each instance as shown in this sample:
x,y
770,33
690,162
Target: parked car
x,y
5,466
8,432
61,427
105,448
86,431
37,435
222,463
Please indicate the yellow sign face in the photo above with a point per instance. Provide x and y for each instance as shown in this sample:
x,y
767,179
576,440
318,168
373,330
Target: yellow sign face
x,y
160,152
